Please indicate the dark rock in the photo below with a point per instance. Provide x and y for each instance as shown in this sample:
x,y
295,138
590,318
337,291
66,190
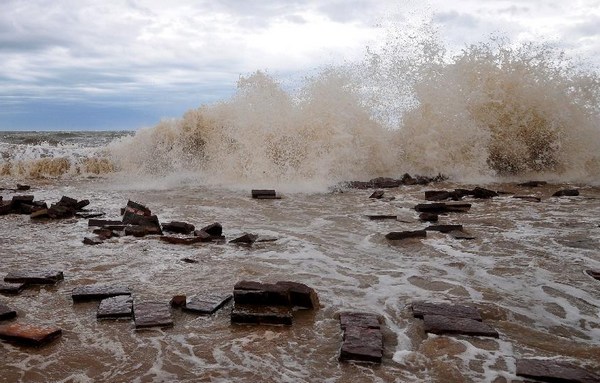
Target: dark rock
x,y
105,233
68,202
442,207
483,193
264,194
141,220
203,236
533,184
81,204
120,306
377,217
266,294
446,309
362,339
592,273
97,292
178,227
266,238
207,303
27,334
189,260
214,229
566,193
457,207
399,235
136,231
178,301
300,295
136,208
152,314
34,277
92,241
251,314
89,215
182,241
21,187
377,194
247,239
460,234
439,324
529,198
444,228
440,195
6,312
358,319
60,211
547,370
105,223
428,217
19,199
38,214
5,208
11,288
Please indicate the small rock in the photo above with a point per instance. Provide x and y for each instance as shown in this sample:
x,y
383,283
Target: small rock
x,y
256,293
246,239
91,241
271,315
460,234
178,301
483,193
439,324
214,229
152,314
264,194
178,227
378,217
28,334
207,303
444,228
533,184
11,288
81,204
377,194
106,223
34,277
136,208
21,187
548,370
443,207
6,312
446,309
120,306
566,193
400,235
592,273
97,292
428,217
189,260
105,233
38,214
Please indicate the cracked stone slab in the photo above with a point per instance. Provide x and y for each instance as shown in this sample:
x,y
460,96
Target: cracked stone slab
x,y
554,371
97,292
439,324
34,277
28,334
207,303
152,314
362,344
120,306
446,309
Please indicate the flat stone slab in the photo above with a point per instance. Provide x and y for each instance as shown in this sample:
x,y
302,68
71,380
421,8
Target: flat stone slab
x,y
256,293
11,288
28,334
566,193
378,217
178,227
34,277
120,306
364,320
400,235
444,228
459,234
97,292
446,309
439,324
207,303
443,207
362,340
152,314
264,194
554,371
92,241
271,315
104,223
6,312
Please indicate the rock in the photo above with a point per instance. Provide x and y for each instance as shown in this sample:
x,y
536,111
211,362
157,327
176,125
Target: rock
x,y
264,194
566,193
377,217
141,220
34,277
11,288
444,228
439,324
400,235
300,295
89,215
81,204
460,234
97,292
178,227
207,303
136,231
446,309
533,184
91,241
6,312
20,199
362,340
178,301
21,187
136,208
266,294
214,229
105,233
483,193
529,198
5,208
68,202
182,241
442,207
28,334
251,314
246,239
120,306
152,314
377,194
592,273
428,217
385,183
109,224
38,214
548,370
189,260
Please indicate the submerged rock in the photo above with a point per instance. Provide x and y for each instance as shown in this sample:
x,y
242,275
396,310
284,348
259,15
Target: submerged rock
x,y
11,288
28,334
178,227
6,312
214,230
270,315
566,193
428,217
446,309
400,235
264,194
246,239
152,314
440,324
206,303
91,241
548,370
34,277
529,198
362,339
96,292
443,207
377,194
533,184
444,228
120,306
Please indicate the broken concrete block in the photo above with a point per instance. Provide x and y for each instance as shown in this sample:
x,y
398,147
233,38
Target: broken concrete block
x,y
6,312
400,235
120,306
439,324
446,309
152,314
28,334
251,314
206,303
178,227
97,292
548,370
34,277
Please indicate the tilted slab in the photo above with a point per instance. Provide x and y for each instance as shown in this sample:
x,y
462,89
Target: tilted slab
x,y
34,277
152,314
11,288
362,340
97,292
439,324
120,306
272,315
446,309
28,334
554,371
6,312
207,303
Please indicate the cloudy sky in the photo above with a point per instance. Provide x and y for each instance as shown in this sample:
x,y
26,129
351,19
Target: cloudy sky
x,y
124,64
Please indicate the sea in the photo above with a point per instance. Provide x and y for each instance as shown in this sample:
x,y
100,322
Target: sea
x,y
493,117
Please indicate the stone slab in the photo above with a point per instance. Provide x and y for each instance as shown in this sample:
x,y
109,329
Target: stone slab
x,y
92,241
554,371
105,222
28,334
358,319
120,306
11,288
271,315
97,292
439,324
206,303
6,312
566,193
444,228
246,239
377,194
459,234
182,241
362,345
268,294
152,314
300,295
34,277
178,227
378,217
214,229
400,235
446,309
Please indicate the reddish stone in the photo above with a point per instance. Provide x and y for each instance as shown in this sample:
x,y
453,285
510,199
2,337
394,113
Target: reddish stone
x,y
446,309
27,334
152,314
206,303
362,339
97,292
300,295
120,306
43,277
104,223
178,301
439,324
358,319
178,227
547,370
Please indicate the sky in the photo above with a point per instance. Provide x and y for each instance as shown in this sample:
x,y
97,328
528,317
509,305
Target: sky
x,y
126,64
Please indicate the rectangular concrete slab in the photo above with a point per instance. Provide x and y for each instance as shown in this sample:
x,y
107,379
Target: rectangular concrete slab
x,y
28,334
152,314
